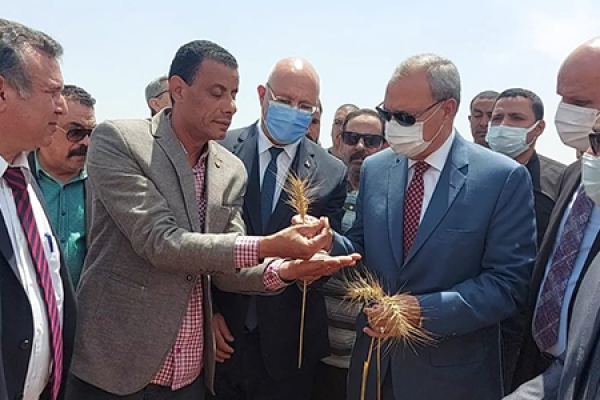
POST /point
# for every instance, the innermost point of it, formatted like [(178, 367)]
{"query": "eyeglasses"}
[(370, 141), (595, 142), (402, 117), (76, 134), (308, 108), (160, 94)]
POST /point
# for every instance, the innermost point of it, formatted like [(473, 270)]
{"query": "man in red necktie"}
[(38, 305)]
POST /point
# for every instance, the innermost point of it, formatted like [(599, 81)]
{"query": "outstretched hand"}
[(321, 264)]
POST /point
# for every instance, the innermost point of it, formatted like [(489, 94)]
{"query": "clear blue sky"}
[(113, 48)]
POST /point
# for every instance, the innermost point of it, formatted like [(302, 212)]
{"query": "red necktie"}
[(413, 202), (15, 179)]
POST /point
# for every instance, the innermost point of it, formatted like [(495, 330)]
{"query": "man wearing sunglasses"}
[(258, 336), (572, 241), (59, 170), (336, 127), (450, 225)]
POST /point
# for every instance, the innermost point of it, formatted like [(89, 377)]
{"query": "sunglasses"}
[(402, 117), (76, 134), (595, 142), (370, 141)]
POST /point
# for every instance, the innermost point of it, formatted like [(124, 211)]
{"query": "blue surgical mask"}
[(509, 140), (286, 124)]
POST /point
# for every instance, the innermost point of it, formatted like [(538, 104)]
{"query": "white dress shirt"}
[(589, 235), (39, 369), (436, 161), (284, 161)]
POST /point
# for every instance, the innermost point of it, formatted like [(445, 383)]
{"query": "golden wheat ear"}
[(365, 288), (300, 194)]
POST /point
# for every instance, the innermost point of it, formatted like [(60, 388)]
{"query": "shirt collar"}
[(264, 144), (438, 158), (20, 161)]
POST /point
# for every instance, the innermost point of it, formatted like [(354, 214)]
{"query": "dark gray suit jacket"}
[(16, 321), (575, 377), (531, 362), (279, 316)]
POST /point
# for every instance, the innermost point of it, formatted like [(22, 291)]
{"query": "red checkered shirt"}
[(184, 361)]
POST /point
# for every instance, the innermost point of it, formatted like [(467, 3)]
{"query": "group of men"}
[(189, 261)]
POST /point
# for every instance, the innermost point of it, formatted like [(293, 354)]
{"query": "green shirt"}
[(66, 206)]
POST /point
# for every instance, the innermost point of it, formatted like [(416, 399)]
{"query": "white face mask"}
[(408, 140), (509, 140), (574, 124), (590, 176)]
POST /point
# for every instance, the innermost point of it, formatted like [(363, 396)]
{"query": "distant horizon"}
[(113, 49)]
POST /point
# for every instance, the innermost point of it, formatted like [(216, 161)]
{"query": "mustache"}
[(79, 151), (359, 155)]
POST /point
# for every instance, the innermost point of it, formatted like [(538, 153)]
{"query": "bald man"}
[(258, 337), (572, 238)]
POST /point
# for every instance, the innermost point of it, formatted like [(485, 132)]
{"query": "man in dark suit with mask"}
[(573, 235), (258, 337)]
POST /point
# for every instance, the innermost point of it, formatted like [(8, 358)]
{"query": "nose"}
[(85, 140), (361, 144), (60, 105), (230, 107)]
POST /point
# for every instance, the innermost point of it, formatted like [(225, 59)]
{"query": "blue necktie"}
[(266, 209), (268, 188)]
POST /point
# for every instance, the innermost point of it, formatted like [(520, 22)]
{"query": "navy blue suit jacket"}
[(469, 268)]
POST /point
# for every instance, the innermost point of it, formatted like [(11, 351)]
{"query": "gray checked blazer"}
[(147, 250)]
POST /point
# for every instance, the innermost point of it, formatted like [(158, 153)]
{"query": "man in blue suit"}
[(450, 224)]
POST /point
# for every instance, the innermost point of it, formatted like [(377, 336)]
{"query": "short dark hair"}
[(536, 103), (485, 95), (79, 95), (189, 57), (15, 40), (361, 112)]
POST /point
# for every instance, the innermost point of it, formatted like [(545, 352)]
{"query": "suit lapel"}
[(396, 187), (215, 187), (165, 138), (246, 149), (452, 179), (303, 165), (6, 248)]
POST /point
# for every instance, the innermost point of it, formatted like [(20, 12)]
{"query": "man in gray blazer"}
[(166, 207)]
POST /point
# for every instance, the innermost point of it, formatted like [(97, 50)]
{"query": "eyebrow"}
[(74, 124)]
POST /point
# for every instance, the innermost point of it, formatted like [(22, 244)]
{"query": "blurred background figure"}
[(157, 95)]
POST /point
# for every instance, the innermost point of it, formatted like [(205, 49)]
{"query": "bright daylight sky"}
[(113, 48)]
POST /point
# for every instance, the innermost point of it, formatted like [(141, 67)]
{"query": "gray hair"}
[(15, 40), (156, 87), (442, 75)]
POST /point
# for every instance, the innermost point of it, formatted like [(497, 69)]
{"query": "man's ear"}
[(177, 88), (262, 91), (153, 103), (3, 94), (540, 128)]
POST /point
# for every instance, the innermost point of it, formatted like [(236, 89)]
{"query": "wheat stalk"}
[(300, 198)]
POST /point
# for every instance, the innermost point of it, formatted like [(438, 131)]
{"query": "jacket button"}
[(189, 278), (25, 345), (19, 396)]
